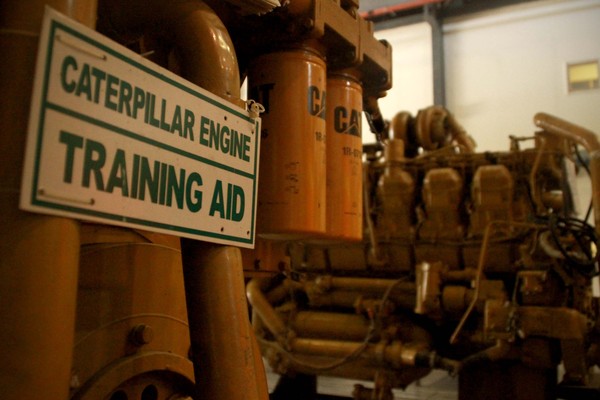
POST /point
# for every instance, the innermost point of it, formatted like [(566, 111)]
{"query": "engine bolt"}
[(141, 334)]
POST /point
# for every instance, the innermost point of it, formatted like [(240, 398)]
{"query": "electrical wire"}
[(581, 258)]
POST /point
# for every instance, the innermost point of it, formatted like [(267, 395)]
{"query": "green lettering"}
[(236, 144), (224, 139), (150, 111), (99, 76), (125, 98), (176, 121), (238, 205), (246, 148), (229, 193), (118, 174), (111, 91), (203, 129), (139, 100), (163, 125), (217, 200), (214, 135), (175, 187), (93, 161), (163, 184), (149, 180), (189, 124), (72, 141), (68, 62), (193, 206), (135, 175), (84, 85)]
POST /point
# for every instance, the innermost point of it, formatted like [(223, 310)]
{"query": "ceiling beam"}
[(459, 8), (395, 8), (412, 11)]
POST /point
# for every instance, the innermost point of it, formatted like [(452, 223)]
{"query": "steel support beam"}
[(434, 19)]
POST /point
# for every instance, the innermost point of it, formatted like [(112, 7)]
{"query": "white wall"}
[(501, 68), (412, 72)]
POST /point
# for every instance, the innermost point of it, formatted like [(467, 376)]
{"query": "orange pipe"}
[(39, 255), (224, 352), (267, 314), (198, 37)]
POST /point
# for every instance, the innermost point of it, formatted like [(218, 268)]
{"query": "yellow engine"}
[(473, 263)]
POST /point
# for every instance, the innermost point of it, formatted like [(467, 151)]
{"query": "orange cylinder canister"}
[(291, 85), (344, 156)]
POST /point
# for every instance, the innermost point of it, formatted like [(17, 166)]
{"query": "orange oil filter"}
[(344, 156), (291, 85)]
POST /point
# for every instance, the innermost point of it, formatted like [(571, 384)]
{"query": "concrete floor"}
[(436, 386)]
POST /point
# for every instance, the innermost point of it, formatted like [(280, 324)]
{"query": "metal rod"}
[(433, 18), (262, 307)]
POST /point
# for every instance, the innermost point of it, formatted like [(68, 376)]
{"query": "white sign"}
[(116, 139)]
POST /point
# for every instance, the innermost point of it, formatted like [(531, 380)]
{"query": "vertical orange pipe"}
[(226, 358), (197, 35), (38, 254)]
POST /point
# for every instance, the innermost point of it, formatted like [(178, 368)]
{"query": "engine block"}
[(469, 261)]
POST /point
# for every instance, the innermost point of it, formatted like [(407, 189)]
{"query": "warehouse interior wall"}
[(501, 67)]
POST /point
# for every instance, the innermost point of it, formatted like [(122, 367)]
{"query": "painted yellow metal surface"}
[(292, 86), (344, 157)]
